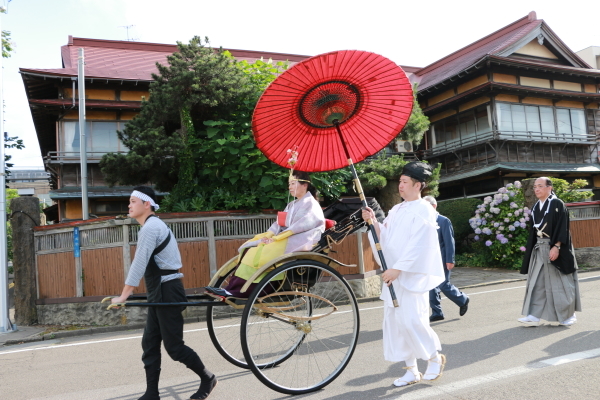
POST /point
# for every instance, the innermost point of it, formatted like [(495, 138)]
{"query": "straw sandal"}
[(402, 382), (432, 376)]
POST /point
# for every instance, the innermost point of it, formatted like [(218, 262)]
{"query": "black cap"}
[(418, 170)]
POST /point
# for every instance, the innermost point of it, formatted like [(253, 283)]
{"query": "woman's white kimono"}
[(410, 244)]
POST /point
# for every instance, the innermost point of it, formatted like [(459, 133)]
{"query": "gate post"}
[(25, 215)]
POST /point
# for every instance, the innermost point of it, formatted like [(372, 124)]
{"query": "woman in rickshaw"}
[(298, 228)]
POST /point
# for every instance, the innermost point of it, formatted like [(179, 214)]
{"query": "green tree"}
[(198, 83), (417, 124), (193, 136), (7, 45), (570, 192)]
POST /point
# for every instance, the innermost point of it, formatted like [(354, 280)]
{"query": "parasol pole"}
[(364, 203)]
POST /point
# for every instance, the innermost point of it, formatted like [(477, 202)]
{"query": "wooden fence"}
[(85, 260), (585, 224)]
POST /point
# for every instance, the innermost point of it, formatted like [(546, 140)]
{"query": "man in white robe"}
[(409, 241)]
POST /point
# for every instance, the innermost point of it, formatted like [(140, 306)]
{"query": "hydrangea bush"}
[(500, 227)]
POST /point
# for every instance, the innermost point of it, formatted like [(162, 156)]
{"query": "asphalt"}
[(461, 277)]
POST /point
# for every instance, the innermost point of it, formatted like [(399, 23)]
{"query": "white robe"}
[(410, 244)]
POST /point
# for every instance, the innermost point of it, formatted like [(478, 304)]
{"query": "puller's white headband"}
[(145, 197)]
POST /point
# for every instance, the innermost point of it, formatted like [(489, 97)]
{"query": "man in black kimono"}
[(552, 291)]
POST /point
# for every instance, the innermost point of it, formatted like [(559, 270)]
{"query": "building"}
[(591, 55), (30, 181), (118, 75), (517, 103)]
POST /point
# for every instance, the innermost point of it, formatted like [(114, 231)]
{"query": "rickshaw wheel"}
[(223, 325), (311, 323)]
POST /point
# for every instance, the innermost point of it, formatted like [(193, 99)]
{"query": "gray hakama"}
[(550, 295)]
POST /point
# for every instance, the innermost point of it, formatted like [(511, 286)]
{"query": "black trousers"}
[(165, 324)]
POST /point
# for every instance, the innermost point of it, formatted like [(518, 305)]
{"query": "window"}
[(469, 124), (101, 136), (110, 207), (531, 120)]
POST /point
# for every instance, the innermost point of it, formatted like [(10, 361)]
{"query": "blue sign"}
[(76, 250)]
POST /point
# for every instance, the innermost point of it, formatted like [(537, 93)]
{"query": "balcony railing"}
[(73, 157), (517, 136)]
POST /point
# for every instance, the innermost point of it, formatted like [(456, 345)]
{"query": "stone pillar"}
[(25, 215), (527, 186)]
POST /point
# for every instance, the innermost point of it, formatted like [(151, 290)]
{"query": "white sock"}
[(434, 365)]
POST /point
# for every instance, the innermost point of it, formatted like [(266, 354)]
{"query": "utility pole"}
[(82, 136), (5, 324)]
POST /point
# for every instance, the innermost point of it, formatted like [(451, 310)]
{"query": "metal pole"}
[(5, 324), (82, 137), (370, 226)]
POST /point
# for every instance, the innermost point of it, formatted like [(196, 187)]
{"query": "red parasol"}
[(334, 109), (369, 95)]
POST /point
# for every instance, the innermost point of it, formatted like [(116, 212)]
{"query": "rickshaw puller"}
[(158, 260)]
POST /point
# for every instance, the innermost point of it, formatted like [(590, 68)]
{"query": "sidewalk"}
[(461, 277)]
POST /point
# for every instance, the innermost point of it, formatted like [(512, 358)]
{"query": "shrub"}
[(459, 211), (500, 227)]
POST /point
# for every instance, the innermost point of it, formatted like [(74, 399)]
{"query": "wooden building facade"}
[(517, 103), (118, 75)]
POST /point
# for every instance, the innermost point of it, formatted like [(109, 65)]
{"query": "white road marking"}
[(203, 329), (444, 390)]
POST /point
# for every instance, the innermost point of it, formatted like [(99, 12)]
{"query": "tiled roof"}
[(461, 59), (497, 45), (114, 59)]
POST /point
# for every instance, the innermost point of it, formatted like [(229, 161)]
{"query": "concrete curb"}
[(87, 331)]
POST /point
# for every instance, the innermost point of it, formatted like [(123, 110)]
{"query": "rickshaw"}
[(299, 326)]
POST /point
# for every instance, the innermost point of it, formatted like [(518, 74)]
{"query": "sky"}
[(410, 33)]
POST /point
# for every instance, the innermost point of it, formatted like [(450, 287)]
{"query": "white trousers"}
[(406, 331)]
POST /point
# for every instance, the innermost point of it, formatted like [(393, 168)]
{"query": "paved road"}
[(490, 356)]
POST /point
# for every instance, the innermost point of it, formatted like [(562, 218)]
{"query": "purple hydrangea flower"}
[(518, 184), (478, 231), (499, 236), (507, 220), (488, 243), (496, 224), (523, 225), (511, 228), (522, 248), (476, 238), (504, 240)]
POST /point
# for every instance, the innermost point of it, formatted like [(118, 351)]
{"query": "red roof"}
[(115, 59), (492, 45)]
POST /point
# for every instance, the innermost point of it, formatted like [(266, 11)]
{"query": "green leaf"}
[(265, 181)]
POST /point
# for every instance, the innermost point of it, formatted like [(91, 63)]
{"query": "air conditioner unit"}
[(404, 146)]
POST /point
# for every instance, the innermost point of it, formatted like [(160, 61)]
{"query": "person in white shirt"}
[(410, 246)]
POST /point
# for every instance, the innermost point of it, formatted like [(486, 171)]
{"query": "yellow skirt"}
[(258, 256)]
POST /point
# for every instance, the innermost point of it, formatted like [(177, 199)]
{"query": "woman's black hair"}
[(149, 192), (303, 176)]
